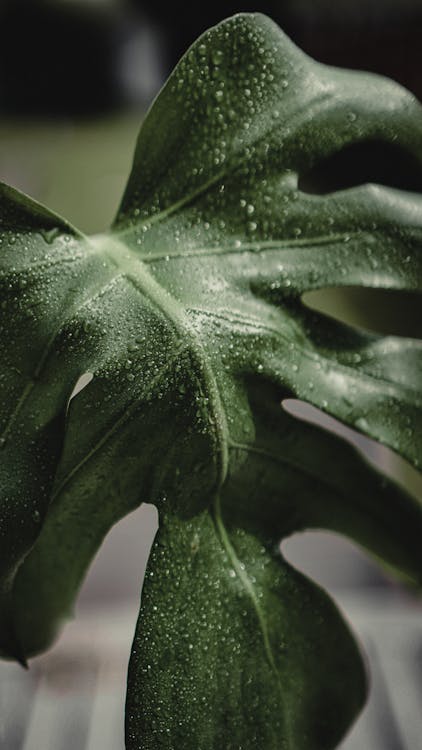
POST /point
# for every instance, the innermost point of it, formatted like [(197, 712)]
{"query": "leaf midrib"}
[(247, 583), (173, 311), (135, 270)]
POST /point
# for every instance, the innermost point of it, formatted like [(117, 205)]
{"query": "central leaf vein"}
[(244, 578)]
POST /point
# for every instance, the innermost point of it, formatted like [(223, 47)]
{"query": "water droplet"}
[(362, 424), (217, 56)]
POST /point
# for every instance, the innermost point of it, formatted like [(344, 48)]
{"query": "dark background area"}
[(67, 57)]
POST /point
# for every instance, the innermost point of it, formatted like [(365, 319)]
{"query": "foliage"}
[(189, 314)]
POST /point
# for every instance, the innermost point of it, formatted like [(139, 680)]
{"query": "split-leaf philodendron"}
[(189, 314)]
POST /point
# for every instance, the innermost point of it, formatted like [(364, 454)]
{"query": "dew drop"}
[(217, 56), (361, 424)]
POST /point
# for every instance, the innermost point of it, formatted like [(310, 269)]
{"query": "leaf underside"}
[(189, 314)]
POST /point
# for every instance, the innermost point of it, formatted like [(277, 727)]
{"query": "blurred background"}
[(76, 78)]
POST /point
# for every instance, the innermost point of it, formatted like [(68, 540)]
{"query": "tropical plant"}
[(189, 315)]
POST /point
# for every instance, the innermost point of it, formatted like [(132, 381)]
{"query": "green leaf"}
[(189, 315), (229, 643)]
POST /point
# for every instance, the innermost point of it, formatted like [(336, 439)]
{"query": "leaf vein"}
[(118, 423), (309, 110), (28, 388), (264, 246), (244, 578)]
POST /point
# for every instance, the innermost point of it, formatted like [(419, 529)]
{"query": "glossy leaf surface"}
[(189, 314)]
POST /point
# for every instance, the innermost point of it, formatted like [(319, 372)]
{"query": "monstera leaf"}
[(189, 315)]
